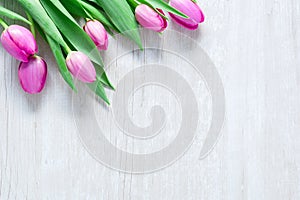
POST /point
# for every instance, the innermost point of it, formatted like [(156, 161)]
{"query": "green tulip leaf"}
[(12, 15), (97, 14), (102, 77), (75, 8), (61, 62), (40, 30), (99, 90), (38, 13), (73, 32), (61, 8), (123, 18)]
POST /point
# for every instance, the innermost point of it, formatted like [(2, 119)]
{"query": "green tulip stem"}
[(32, 29), (67, 48), (3, 23)]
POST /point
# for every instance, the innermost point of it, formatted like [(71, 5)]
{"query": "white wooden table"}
[(255, 46)]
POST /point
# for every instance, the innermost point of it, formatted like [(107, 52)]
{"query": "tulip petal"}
[(23, 38), (149, 18), (189, 24), (189, 8), (81, 67), (33, 75), (97, 33), (9, 45)]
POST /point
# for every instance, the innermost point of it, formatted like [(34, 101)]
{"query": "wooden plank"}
[(255, 46)]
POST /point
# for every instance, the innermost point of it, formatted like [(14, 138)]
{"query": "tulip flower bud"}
[(150, 19), (81, 67), (19, 42), (189, 8), (33, 74), (97, 33)]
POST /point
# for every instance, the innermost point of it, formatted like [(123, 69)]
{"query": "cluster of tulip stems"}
[(73, 56)]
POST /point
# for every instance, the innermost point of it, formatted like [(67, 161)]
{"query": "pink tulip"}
[(33, 74), (81, 67), (189, 8), (97, 33), (150, 19), (19, 42)]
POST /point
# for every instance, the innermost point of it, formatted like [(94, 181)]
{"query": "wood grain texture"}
[(256, 48)]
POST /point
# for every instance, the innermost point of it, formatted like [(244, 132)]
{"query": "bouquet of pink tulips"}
[(73, 46)]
